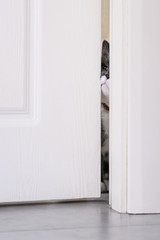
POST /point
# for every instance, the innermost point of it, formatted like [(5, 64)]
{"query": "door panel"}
[(49, 100), (13, 48)]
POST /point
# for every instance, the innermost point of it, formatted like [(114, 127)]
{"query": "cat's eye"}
[(106, 68)]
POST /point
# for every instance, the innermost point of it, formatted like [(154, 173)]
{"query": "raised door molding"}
[(18, 59)]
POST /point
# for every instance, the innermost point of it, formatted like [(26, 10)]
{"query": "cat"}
[(104, 80)]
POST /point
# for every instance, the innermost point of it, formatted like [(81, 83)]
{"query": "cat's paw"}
[(103, 187)]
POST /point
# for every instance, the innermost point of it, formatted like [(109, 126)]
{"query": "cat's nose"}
[(107, 75)]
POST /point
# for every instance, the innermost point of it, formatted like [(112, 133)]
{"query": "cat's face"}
[(105, 59), (105, 73)]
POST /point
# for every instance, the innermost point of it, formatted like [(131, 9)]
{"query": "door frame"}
[(119, 105)]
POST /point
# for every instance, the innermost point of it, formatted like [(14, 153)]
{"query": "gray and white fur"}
[(104, 114)]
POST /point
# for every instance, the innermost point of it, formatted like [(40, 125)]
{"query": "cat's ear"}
[(105, 48)]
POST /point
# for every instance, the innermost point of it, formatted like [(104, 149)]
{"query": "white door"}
[(49, 99)]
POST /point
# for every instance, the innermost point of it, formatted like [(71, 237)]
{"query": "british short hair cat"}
[(104, 114)]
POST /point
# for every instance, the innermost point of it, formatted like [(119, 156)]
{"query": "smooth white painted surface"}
[(135, 116), (52, 149), (144, 109), (118, 103)]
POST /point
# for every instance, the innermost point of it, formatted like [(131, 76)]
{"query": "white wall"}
[(105, 19), (144, 106)]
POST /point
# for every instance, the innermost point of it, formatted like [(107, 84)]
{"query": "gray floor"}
[(73, 221)]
